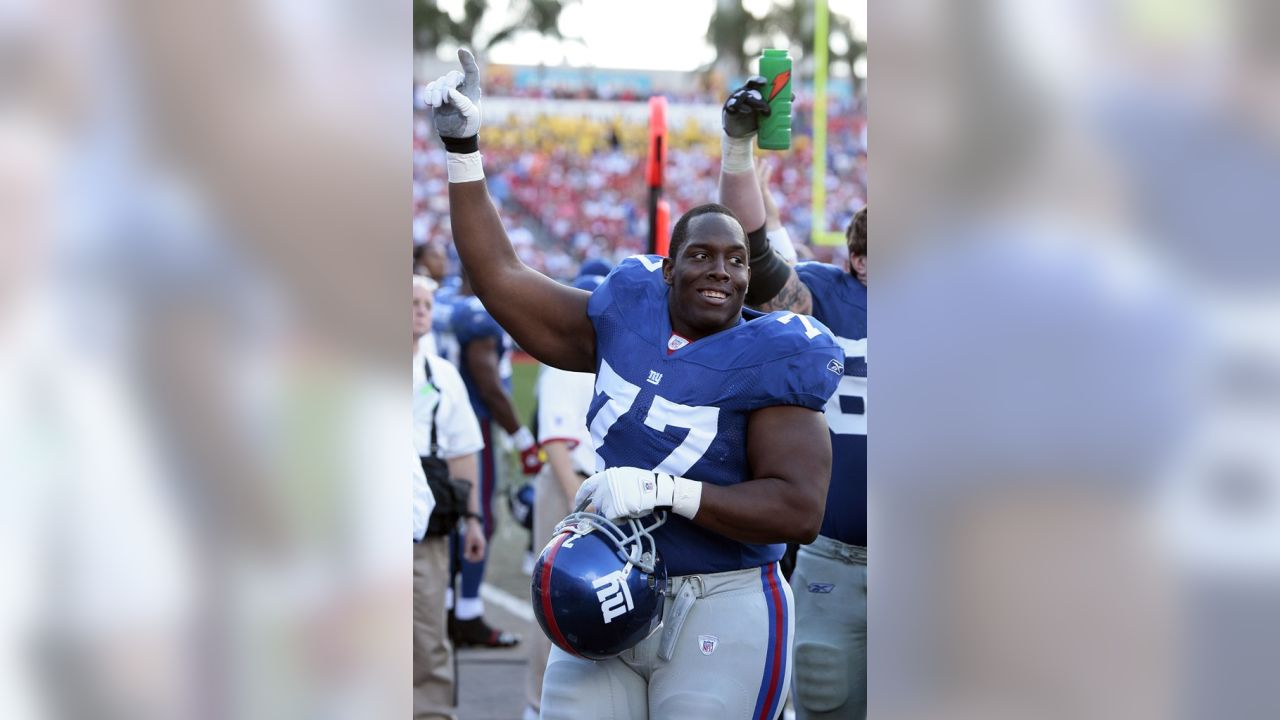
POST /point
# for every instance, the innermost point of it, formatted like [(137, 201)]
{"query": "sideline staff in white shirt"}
[(458, 437), (423, 501)]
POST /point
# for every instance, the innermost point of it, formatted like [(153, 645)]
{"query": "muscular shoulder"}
[(638, 279), (630, 303), (819, 276), (831, 282), (782, 332), (795, 359)]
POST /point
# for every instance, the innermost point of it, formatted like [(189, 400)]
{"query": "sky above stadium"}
[(654, 35)]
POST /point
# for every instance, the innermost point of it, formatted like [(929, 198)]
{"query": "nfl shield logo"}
[(707, 643)]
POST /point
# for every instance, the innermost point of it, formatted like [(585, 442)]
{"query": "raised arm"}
[(794, 295), (547, 319), (740, 192), (772, 218)]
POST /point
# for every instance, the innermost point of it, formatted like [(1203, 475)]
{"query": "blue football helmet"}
[(599, 590), (520, 502)]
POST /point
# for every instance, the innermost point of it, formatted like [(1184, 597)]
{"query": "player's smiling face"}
[(708, 277)]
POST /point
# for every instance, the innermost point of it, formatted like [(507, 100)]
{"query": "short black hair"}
[(681, 232)]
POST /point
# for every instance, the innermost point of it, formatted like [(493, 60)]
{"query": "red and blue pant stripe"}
[(778, 651)]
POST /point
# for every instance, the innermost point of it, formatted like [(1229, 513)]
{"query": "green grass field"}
[(523, 377), (510, 540)]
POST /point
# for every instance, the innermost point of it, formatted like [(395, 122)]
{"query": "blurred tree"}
[(540, 16), (431, 24), (855, 50), (795, 21), (730, 27)]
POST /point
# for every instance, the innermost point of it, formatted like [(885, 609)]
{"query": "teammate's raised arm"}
[(739, 187), (547, 319), (740, 192)]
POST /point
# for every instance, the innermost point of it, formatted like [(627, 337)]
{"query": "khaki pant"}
[(432, 653), (549, 508)]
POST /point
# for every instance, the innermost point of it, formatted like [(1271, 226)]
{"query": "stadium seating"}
[(570, 187)]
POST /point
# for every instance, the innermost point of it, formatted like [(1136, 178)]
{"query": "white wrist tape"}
[(522, 438), (465, 167), (736, 155), (780, 241), (687, 497)]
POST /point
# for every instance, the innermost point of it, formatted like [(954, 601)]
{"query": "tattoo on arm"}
[(794, 296)]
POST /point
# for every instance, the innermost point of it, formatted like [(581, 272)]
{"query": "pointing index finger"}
[(469, 67)]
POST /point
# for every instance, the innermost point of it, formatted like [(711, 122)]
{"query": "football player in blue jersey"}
[(446, 343), (701, 407), (831, 573), (485, 363)]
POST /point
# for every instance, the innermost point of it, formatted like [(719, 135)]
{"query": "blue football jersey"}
[(442, 324), (686, 412), (472, 322), (840, 302)]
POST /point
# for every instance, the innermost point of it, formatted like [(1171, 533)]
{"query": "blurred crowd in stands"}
[(589, 84), (572, 188)]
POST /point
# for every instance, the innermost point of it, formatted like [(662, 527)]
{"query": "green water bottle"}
[(775, 130)]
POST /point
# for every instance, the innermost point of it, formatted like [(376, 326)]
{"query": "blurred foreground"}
[(1075, 475), (1075, 480), (202, 366)]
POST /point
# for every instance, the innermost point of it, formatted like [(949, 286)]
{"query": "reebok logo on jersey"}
[(822, 588), (707, 643), (836, 367), (614, 595), (654, 377)]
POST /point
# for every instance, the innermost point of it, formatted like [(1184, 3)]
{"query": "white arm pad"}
[(687, 497), (780, 241), (523, 439), (465, 167), (736, 155)]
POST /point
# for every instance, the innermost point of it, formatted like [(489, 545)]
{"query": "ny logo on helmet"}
[(614, 595)]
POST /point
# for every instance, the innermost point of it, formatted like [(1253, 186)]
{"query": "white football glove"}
[(454, 99), (625, 492)]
